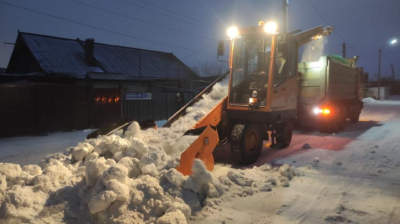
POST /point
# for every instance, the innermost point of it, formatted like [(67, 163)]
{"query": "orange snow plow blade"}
[(205, 144), (202, 149)]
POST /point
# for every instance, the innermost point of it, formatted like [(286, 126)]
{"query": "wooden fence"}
[(31, 109), (160, 107), (40, 108)]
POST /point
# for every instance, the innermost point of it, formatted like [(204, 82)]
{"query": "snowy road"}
[(351, 177)]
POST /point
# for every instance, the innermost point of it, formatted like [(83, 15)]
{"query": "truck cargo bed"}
[(328, 80)]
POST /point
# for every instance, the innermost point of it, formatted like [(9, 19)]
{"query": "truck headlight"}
[(254, 94)]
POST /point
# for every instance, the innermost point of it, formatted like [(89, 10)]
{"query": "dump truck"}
[(330, 93)]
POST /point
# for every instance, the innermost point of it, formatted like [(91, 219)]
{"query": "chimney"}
[(89, 52)]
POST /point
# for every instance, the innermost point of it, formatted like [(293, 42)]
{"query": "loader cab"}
[(251, 56), (260, 66)]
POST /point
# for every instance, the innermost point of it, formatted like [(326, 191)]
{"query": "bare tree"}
[(208, 68)]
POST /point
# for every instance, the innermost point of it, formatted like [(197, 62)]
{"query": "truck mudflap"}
[(202, 148)]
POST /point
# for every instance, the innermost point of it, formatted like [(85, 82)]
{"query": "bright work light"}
[(233, 32), (270, 27)]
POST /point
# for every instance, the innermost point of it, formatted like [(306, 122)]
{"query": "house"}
[(71, 84)]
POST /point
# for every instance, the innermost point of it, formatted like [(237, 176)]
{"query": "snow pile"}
[(125, 178), (368, 100)]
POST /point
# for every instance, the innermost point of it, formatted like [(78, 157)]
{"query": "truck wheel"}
[(355, 119), (246, 142), (284, 132), (343, 112)]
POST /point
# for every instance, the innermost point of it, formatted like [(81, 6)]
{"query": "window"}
[(292, 59), (280, 71)]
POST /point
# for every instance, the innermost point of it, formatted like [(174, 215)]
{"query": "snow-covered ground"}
[(32, 149), (351, 177)]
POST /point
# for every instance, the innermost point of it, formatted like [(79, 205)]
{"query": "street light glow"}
[(393, 41)]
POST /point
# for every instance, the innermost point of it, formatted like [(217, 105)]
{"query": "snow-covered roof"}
[(63, 56)]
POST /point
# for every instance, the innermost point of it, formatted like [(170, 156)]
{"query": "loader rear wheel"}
[(246, 142), (284, 132)]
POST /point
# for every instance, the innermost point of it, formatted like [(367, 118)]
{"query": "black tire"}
[(336, 121), (355, 119), (246, 142), (284, 133), (343, 112)]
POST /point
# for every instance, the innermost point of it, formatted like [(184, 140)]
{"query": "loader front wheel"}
[(246, 142)]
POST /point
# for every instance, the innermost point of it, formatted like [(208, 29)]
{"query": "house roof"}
[(66, 57)]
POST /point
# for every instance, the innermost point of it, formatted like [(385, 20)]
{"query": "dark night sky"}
[(190, 29)]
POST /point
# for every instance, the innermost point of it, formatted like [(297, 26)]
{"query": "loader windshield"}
[(251, 57)]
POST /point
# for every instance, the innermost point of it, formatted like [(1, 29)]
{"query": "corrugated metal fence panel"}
[(17, 110), (160, 107), (32, 109), (79, 107), (53, 108), (107, 108)]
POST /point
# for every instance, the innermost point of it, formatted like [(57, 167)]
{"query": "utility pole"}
[(394, 79), (344, 50), (285, 16), (379, 75)]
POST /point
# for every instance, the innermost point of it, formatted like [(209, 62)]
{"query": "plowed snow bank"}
[(126, 178)]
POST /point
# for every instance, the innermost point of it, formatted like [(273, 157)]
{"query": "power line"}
[(191, 54), (139, 6), (98, 28), (156, 6), (136, 19)]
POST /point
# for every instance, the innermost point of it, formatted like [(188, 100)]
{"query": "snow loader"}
[(268, 91), (262, 98)]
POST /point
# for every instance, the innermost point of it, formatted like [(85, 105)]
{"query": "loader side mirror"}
[(221, 48)]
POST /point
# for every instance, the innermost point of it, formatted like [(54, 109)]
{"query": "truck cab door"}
[(285, 77)]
